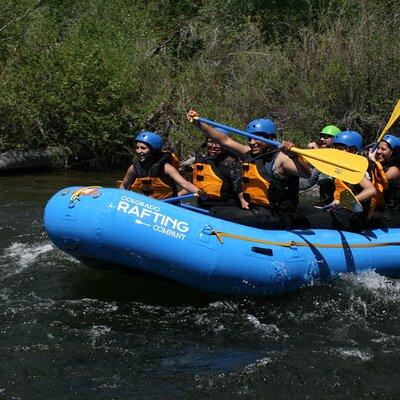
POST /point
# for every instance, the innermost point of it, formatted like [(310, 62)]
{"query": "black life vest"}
[(392, 192)]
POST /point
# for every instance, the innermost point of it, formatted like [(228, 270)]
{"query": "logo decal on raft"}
[(85, 191), (149, 215)]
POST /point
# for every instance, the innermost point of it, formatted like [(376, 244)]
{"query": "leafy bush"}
[(89, 74)]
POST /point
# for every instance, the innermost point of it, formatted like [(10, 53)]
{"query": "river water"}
[(70, 332)]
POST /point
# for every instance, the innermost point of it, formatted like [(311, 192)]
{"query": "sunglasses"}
[(325, 136), (339, 146), (213, 144)]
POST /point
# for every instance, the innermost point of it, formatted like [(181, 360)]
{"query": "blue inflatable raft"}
[(126, 228)]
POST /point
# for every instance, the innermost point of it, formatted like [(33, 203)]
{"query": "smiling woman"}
[(385, 176), (153, 173)]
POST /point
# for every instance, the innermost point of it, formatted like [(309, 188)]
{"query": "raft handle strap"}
[(262, 250)]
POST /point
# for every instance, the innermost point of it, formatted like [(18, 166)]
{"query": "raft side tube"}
[(126, 228)]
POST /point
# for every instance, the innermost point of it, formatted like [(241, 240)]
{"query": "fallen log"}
[(27, 159)]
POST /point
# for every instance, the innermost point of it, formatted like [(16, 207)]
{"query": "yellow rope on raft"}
[(292, 243)]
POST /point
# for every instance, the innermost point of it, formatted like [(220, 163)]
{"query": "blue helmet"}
[(392, 141), (349, 139), (261, 125), (150, 138)]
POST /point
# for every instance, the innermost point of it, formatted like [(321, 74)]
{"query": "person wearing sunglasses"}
[(325, 138), (324, 182), (218, 173)]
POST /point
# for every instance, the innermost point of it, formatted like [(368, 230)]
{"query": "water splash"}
[(355, 353), (20, 256), (375, 285)]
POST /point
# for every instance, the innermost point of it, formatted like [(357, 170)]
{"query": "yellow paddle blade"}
[(392, 120), (340, 164), (348, 200)]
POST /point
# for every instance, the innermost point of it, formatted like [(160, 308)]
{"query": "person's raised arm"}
[(222, 139), (292, 163)]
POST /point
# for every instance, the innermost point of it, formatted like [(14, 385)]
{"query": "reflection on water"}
[(71, 331)]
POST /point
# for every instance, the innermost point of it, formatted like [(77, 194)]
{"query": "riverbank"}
[(90, 75)]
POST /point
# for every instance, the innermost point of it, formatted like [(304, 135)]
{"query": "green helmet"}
[(331, 130)]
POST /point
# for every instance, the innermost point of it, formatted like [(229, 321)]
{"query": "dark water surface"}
[(71, 332)]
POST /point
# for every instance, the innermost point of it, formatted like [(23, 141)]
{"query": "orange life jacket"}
[(211, 174), (263, 187), (339, 187), (154, 187), (154, 182), (174, 160), (207, 180), (381, 184), (255, 186)]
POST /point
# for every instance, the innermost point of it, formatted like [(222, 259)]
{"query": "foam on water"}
[(387, 339), (97, 331), (266, 329), (355, 353), (20, 256), (224, 305), (381, 287)]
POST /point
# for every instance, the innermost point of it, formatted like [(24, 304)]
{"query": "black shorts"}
[(209, 204)]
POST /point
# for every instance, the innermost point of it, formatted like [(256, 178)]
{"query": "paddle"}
[(197, 209), (178, 198), (392, 120), (348, 201), (188, 206), (346, 166)]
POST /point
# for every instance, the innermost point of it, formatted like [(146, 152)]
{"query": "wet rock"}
[(27, 159)]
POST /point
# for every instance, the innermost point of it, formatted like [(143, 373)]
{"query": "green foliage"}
[(89, 74)]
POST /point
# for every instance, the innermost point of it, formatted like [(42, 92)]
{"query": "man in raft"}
[(325, 182), (270, 177)]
